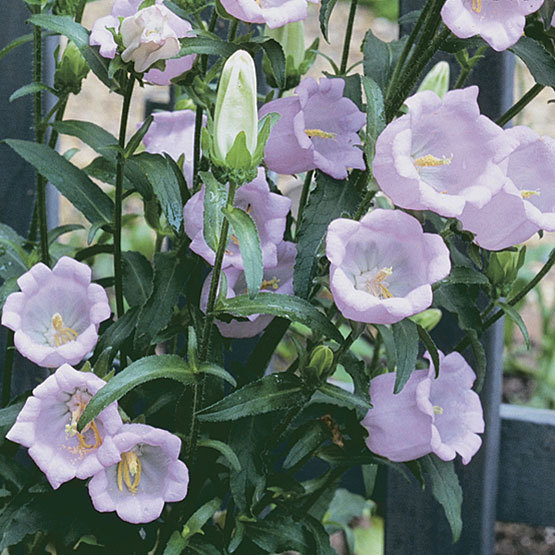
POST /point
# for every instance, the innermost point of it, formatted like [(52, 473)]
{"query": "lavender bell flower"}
[(499, 22), (56, 315), (149, 35), (47, 425), (317, 129), (173, 133), (268, 210), (277, 279), (441, 154), (146, 474), (382, 267), (274, 13), (429, 415)]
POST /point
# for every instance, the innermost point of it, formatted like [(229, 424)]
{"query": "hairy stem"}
[(304, 198), (469, 66), (348, 35), (520, 105)]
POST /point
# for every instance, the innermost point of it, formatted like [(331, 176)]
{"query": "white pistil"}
[(319, 133), (430, 161), (62, 334), (129, 471)]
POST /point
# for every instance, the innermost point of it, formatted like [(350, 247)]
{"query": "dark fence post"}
[(17, 179), (415, 523)]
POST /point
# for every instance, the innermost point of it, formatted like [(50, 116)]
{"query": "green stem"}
[(196, 152), (348, 35), (375, 354), (465, 341), (39, 135), (7, 370), (468, 67), (232, 30), (520, 105), (118, 275), (365, 204), (304, 198), (407, 48), (80, 10)]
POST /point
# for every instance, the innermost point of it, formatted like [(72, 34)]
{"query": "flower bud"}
[(428, 319), (71, 70), (437, 79), (236, 114), (148, 37), (503, 267), (291, 38), (321, 361)]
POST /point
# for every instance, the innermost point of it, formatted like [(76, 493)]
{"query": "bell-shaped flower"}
[(56, 315), (274, 13), (277, 279), (429, 415), (317, 129), (148, 35), (47, 425), (441, 154), (382, 268), (268, 210), (236, 114), (174, 133), (147, 474), (499, 22)]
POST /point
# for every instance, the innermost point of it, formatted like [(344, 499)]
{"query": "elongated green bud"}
[(503, 267), (428, 319), (291, 38), (236, 115), (321, 361), (437, 79), (70, 70)]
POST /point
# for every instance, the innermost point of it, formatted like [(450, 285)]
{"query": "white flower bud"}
[(437, 79)]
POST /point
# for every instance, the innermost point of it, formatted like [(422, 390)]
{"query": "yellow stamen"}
[(527, 194), (71, 430), (477, 5), (129, 471), (376, 287), (62, 334), (430, 161), (438, 410), (319, 133), (270, 283), (235, 240)]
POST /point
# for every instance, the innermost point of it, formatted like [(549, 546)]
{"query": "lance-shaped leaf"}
[(249, 246), (275, 392), (215, 195), (405, 335), (146, 369), (375, 116), (334, 395), (538, 60), (224, 449), (72, 182), (287, 306), (326, 7), (137, 278), (380, 58), (13, 257)]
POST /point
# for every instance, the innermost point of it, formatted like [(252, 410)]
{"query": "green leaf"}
[(239, 157), (326, 7), (215, 196), (538, 60), (218, 371), (200, 517), (380, 58), (466, 276), (286, 306), (276, 57), (327, 202), (389, 344), (309, 438), (23, 39), (458, 299), (431, 347), (276, 534), (65, 25), (7, 418), (164, 184), (211, 45), (446, 489), (144, 370), (249, 246), (275, 392), (337, 396), (136, 139), (224, 449), (31, 88), (513, 314), (60, 230), (96, 137), (320, 537), (72, 182), (405, 335), (375, 115), (480, 357), (7, 288), (169, 277), (13, 257), (118, 332), (137, 278)]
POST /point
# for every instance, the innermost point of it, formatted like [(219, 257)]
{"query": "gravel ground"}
[(97, 104)]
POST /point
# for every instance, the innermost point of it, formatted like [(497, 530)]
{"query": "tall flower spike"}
[(429, 415), (382, 268), (57, 313), (146, 474), (47, 425)]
